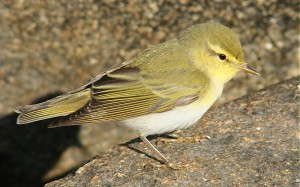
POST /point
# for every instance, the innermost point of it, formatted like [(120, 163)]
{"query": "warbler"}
[(164, 88)]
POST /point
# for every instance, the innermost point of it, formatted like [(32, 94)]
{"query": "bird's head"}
[(216, 50)]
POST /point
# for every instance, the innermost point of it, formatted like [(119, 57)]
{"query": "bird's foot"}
[(191, 139)]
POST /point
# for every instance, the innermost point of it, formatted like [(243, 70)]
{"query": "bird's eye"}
[(222, 56)]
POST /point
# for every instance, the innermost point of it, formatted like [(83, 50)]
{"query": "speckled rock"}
[(55, 46), (254, 141)]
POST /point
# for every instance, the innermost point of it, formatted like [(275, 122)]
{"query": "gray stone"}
[(254, 141)]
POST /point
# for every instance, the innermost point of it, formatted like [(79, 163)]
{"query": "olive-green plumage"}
[(173, 74)]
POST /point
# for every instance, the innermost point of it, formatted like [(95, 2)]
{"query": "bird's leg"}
[(161, 156)]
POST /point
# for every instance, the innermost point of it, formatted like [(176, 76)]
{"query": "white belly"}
[(159, 123)]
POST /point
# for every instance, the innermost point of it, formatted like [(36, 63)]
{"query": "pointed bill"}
[(248, 69)]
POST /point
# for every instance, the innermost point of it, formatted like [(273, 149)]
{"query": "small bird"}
[(164, 88)]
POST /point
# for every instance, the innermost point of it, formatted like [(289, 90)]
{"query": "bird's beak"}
[(248, 69)]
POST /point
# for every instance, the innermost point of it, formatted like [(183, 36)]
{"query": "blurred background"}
[(50, 47)]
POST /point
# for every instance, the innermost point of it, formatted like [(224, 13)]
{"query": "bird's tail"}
[(58, 106)]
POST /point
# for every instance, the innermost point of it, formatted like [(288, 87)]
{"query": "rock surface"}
[(254, 141), (50, 47)]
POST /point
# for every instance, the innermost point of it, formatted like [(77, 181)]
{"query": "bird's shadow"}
[(28, 152)]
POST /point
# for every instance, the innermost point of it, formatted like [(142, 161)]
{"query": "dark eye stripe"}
[(214, 53)]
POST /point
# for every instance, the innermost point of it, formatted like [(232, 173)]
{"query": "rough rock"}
[(254, 141)]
